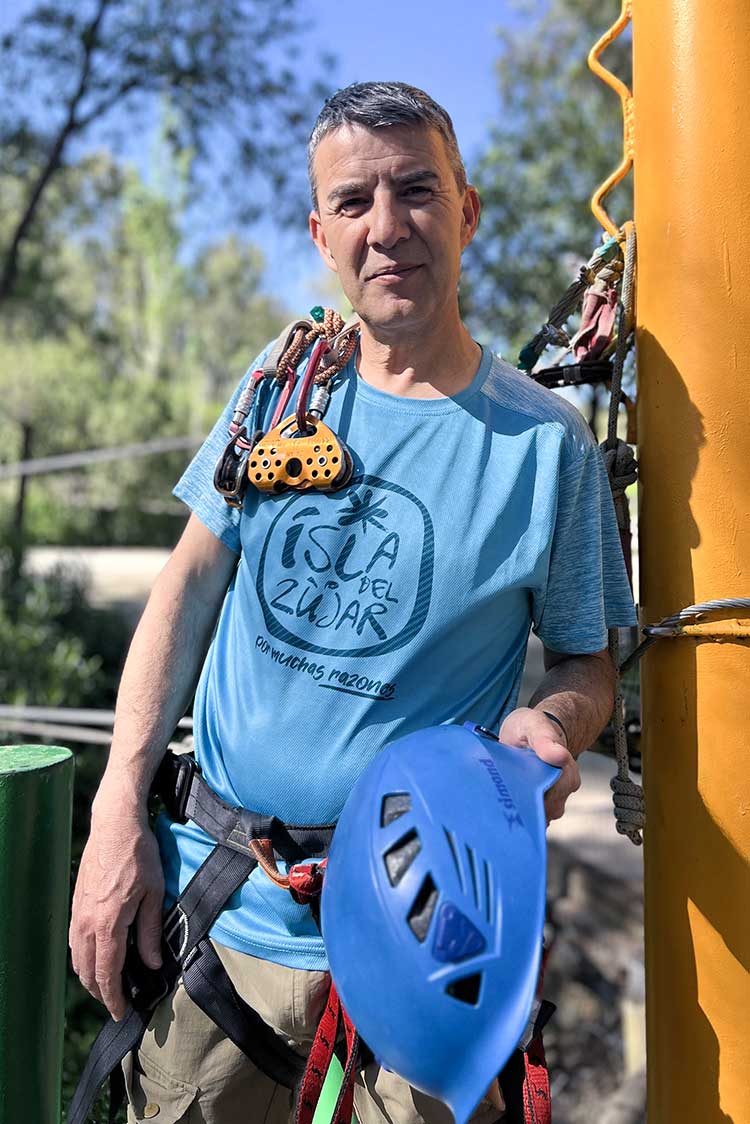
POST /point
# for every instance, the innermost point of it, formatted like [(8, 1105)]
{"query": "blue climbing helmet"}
[(433, 907)]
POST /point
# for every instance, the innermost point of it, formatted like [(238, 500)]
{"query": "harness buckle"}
[(173, 782), (145, 987)]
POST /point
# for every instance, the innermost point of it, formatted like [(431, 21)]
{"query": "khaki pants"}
[(187, 1072)]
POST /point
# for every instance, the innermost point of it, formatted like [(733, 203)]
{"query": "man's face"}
[(392, 223)]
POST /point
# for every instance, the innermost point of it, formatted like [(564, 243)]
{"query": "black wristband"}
[(556, 720)]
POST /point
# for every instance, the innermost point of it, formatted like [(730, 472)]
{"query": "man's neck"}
[(428, 364)]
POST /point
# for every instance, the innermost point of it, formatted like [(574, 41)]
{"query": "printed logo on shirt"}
[(348, 573)]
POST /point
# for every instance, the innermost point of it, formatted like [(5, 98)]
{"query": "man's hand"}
[(532, 728), (120, 881)]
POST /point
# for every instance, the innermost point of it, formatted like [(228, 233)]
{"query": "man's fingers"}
[(83, 958), (148, 929), (555, 797), (110, 957)]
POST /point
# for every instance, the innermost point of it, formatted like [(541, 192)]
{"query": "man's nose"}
[(388, 223)]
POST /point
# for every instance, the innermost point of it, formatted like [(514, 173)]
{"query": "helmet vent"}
[(395, 805), (488, 890), (423, 907), (474, 873), (401, 855), (466, 989), (454, 852)]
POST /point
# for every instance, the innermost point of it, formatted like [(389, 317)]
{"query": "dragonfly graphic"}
[(363, 510)]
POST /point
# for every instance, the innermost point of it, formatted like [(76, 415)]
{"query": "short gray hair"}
[(380, 105)]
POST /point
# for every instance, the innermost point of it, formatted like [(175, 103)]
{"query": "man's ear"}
[(318, 236), (472, 207)]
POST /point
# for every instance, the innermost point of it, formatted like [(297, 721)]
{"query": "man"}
[(478, 508)]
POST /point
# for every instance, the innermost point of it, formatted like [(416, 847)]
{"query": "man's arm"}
[(120, 879), (579, 692)]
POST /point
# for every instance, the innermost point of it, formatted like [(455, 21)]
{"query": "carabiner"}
[(230, 476)]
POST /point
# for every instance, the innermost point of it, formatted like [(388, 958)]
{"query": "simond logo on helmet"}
[(504, 797)]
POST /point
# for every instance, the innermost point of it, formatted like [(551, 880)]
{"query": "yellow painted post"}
[(692, 209)]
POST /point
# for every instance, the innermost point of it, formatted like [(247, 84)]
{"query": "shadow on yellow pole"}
[(692, 209)]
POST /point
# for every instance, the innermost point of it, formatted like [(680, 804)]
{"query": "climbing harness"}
[(245, 840), (437, 877), (297, 452)]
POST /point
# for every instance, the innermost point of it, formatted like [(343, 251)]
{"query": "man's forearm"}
[(157, 682), (160, 673), (579, 691)]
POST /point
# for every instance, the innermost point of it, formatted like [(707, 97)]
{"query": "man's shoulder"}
[(517, 393)]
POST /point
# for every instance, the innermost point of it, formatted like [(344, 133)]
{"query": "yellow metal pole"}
[(692, 208)]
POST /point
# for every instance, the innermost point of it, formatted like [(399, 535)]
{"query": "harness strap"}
[(524, 1081), (206, 982), (185, 924), (186, 796), (536, 1095), (114, 1042), (319, 1061)]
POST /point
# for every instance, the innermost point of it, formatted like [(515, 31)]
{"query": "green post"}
[(36, 799)]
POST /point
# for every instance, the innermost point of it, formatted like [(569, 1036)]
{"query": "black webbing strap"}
[(186, 795), (203, 899), (208, 985), (113, 1043), (186, 923)]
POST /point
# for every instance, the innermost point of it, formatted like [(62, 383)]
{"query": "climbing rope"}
[(552, 331), (325, 324), (622, 470)]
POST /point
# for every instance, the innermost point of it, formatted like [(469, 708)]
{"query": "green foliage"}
[(148, 341), (55, 648), (225, 67), (557, 135)]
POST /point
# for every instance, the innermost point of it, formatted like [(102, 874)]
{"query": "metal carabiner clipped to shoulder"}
[(230, 474)]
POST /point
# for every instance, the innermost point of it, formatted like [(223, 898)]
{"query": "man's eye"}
[(355, 203), (417, 190)]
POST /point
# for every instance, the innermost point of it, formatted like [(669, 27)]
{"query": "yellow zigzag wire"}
[(626, 97)]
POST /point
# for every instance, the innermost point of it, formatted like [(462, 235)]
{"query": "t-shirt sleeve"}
[(196, 488), (587, 589)]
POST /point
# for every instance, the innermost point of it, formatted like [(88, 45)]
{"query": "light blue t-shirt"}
[(404, 600)]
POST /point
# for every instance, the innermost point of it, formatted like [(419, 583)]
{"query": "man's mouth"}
[(393, 272)]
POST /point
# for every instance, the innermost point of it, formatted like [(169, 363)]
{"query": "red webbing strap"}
[(537, 1104), (319, 1062), (537, 1108), (345, 1104)]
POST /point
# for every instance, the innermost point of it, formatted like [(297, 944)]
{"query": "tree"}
[(225, 67), (152, 339), (558, 134)]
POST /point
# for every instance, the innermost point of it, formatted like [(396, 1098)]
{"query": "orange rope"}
[(331, 326)]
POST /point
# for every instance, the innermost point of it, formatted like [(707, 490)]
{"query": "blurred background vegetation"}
[(117, 326)]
